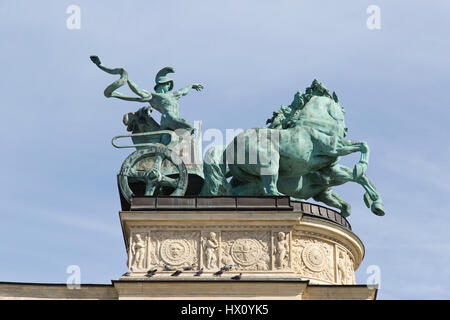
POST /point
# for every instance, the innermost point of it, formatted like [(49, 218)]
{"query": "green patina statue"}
[(161, 100), (282, 118), (287, 116), (297, 155)]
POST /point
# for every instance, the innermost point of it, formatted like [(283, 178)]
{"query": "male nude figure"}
[(162, 99)]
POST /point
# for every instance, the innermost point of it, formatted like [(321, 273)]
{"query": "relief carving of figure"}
[(350, 271), (345, 270), (341, 268), (281, 250), (138, 252), (210, 246)]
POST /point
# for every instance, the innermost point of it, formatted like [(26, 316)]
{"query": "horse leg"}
[(342, 147), (360, 167), (331, 198), (269, 176), (269, 183), (371, 198)]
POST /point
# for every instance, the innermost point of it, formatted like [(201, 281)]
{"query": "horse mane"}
[(286, 116), (318, 89)]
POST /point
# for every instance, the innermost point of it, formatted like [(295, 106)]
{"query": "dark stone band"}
[(232, 203)]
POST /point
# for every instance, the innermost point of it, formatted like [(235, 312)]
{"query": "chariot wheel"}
[(146, 165)]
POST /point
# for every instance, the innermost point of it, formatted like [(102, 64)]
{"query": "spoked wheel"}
[(154, 178)]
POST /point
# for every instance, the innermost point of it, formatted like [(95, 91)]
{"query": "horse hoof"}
[(377, 207), (344, 213), (275, 194), (272, 192)]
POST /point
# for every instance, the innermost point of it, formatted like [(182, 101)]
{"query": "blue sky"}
[(58, 192)]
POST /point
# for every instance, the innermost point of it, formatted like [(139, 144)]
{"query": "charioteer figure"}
[(162, 100)]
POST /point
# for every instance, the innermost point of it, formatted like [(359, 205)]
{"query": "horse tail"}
[(215, 171)]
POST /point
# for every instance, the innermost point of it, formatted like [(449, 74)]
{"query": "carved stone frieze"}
[(247, 250), (313, 258), (176, 249), (310, 249)]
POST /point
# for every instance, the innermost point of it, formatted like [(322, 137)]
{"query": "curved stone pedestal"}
[(270, 241), (282, 249)]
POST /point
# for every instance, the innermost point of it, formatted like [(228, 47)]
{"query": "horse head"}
[(325, 114), (140, 121)]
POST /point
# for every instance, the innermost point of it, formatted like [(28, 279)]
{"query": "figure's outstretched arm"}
[(182, 92), (98, 63), (109, 92)]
